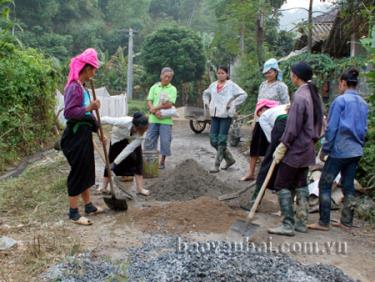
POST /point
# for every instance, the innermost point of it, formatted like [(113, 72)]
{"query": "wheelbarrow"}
[(198, 119)]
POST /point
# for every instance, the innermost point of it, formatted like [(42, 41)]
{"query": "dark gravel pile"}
[(158, 260), (85, 269), (223, 266)]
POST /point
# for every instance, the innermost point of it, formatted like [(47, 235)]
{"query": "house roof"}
[(323, 24)]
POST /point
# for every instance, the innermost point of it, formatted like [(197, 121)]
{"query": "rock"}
[(7, 243), (365, 208)]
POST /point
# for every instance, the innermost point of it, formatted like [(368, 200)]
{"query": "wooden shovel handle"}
[(261, 192), (101, 135)]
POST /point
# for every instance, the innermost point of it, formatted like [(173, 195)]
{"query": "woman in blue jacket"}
[(344, 141)]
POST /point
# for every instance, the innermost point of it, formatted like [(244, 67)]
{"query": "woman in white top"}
[(271, 89), (222, 98), (125, 151)]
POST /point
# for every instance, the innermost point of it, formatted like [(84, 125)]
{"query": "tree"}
[(178, 48), (5, 23)]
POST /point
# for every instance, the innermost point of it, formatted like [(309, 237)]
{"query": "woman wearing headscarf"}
[(76, 142), (125, 151), (272, 119), (222, 98), (296, 151), (271, 89)]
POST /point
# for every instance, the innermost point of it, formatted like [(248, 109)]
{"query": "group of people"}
[(284, 132), (287, 133), (125, 148)]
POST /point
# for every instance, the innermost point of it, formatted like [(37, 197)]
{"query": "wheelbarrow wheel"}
[(197, 126)]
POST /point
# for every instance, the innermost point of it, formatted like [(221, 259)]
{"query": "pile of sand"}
[(188, 181), (200, 215)]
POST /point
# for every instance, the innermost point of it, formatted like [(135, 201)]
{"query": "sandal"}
[(143, 192), (82, 221)]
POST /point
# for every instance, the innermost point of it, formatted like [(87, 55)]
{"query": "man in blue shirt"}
[(344, 141)]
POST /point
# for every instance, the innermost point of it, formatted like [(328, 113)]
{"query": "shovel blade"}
[(244, 228), (115, 204)]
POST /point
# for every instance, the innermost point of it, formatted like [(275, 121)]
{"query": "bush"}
[(27, 101)]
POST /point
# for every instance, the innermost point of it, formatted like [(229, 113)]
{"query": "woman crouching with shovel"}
[(125, 151), (296, 152), (76, 142)]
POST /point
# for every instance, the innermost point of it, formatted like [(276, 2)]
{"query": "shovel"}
[(113, 201), (245, 227)]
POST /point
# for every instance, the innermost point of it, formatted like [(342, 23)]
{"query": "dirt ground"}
[(201, 218), (204, 214)]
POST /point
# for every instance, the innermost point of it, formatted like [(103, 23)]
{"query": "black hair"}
[(304, 71), (351, 77), (224, 68), (87, 66), (140, 120)]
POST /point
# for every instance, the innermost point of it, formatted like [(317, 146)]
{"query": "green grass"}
[(137, 106), (34, 205), (39, 194)]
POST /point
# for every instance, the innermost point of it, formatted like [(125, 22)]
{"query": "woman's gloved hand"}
[(323, 156), (279, 153)]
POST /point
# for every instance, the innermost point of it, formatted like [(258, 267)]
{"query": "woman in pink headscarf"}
[(76, 142)]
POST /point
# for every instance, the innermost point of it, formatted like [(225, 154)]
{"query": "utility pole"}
[(310, 27), (129, 88)]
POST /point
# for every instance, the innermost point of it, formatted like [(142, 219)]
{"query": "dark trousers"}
[(219, 131), (276, 133), (347, 167)]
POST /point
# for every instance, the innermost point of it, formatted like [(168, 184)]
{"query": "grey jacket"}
[(231, 95)]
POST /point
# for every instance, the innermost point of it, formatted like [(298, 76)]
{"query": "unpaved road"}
[(113, 231), (206, 219)]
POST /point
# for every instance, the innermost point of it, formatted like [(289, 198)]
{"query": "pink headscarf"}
[(89, 56), (265, 103)]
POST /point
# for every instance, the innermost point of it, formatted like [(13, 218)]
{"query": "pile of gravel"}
[(85, 269), (160, 260), (223, 266), (188, 181)]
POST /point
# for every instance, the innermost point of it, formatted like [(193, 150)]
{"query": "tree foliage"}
[(27, 87), (178, 48)]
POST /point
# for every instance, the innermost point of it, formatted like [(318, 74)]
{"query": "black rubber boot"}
[(302, 209), (218, 160), (229, 160), (286, 207)]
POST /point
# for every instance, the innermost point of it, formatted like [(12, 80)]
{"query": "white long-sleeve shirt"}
[(218, 101), (122, 130), (268, 118)]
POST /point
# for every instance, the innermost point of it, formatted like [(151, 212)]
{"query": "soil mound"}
[(188, 181)]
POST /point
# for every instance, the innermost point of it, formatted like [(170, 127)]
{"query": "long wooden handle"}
[(261, 192), (108, 167)]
